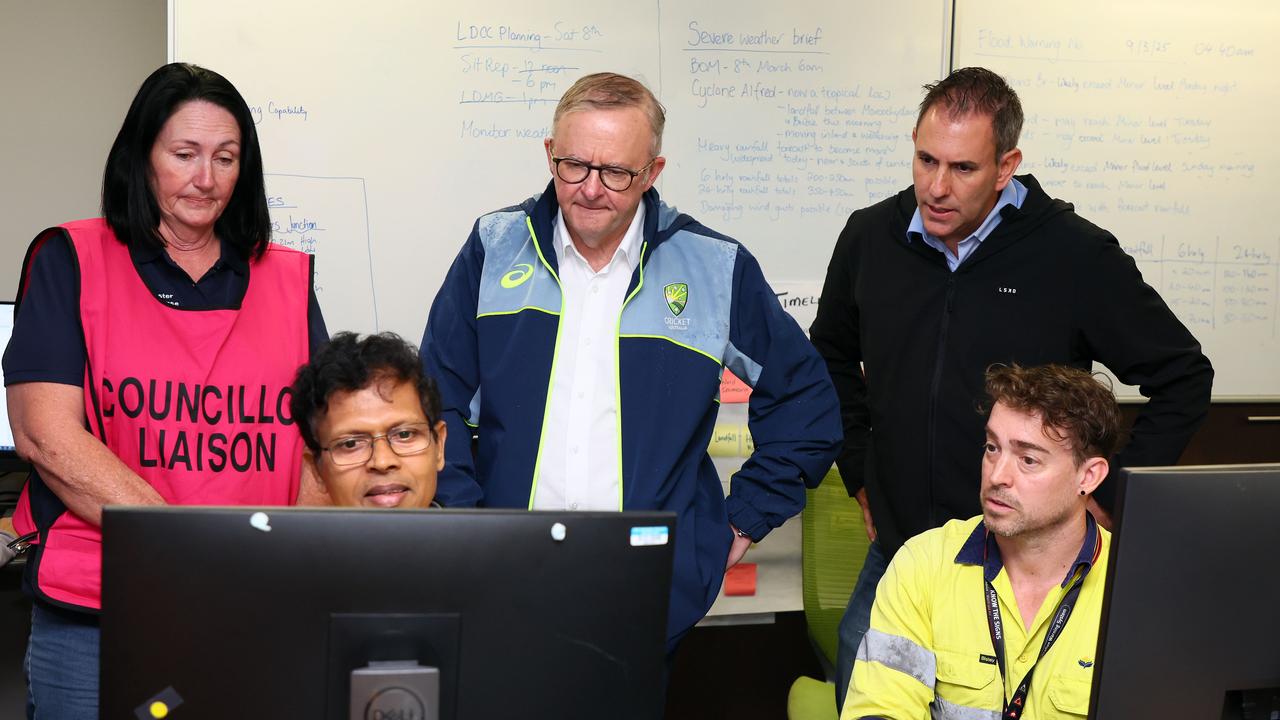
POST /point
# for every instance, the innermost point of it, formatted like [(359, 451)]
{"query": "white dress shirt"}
[(580, 463)]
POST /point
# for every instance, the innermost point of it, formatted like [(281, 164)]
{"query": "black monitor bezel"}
[(1111, 697), (240, 564)]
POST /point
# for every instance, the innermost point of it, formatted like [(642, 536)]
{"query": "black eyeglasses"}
[(404, 440), (617, 179)]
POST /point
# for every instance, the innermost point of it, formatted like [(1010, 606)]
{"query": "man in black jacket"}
[(971, 267)]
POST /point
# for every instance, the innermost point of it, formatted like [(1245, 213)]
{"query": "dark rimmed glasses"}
[(617, 179)]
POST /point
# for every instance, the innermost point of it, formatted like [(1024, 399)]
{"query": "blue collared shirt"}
[(1013, 194), (981, 549)]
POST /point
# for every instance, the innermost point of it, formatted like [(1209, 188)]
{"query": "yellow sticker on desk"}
[(159, 706)]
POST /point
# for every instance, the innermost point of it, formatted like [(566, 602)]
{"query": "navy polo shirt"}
[(48, 340), (981, 549)]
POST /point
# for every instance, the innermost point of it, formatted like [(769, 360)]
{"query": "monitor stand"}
[(393, 666), (400, 689)]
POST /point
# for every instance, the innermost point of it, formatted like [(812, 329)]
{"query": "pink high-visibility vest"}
[(196, 402)]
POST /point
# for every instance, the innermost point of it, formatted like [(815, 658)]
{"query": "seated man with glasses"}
[(371, 422), (583, 335)]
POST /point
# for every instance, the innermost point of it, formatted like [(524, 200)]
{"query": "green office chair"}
[(834, 547)]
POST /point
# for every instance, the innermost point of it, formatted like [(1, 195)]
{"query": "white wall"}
[(68, 70)]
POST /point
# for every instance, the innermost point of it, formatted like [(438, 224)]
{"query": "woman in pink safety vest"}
[(151, 360)]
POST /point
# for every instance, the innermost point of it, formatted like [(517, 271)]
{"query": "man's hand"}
[(866, 514), (737, 549), (1102, 516)]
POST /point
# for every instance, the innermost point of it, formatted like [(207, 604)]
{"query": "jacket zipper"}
[(555, 355), (948, 306), (617, 369)]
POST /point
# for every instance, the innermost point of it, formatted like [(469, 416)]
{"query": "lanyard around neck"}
[(1015, 706)]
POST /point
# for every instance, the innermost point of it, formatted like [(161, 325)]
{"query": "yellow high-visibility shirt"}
[(929, 653)]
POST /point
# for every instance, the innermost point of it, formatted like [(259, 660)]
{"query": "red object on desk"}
[(740, 579)]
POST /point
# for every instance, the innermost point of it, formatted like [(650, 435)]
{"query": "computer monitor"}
[(1191, 619), (9, 460), (265, 613), (6, 433)]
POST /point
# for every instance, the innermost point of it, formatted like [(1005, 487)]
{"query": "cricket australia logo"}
[(677, 295)]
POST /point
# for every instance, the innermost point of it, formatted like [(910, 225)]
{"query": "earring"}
[(1081, 492)]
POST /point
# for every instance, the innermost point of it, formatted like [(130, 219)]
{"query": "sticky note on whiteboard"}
[(726, 441), (649, 535), (733, 390), (730, 440)]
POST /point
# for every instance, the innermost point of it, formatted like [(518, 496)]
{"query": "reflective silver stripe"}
[(899, 653), (943, 710)]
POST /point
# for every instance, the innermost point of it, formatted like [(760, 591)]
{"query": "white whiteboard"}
[(388, 127), (1156, 119)]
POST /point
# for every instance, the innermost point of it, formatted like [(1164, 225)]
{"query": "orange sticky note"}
[(740, 580), (733, 390)]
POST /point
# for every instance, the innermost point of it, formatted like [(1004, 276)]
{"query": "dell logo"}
[(398, 714), (1007, 290)]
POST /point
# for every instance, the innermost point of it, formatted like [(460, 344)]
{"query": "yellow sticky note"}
[(726, 441)]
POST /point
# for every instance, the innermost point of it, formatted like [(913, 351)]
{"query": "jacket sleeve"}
[(835, 334), (794, 418), (1129, 329), (895, 670), (450, 355)]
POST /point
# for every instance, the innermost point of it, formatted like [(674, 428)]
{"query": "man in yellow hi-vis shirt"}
[(996, 617)]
